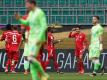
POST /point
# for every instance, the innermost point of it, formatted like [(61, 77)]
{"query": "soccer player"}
[(81, 44), (14, 40), (38, 25), (51, 49), (25, 37), (96, 45), (4, 38)]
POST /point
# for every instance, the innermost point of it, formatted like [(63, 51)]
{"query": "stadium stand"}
[(66, 12)]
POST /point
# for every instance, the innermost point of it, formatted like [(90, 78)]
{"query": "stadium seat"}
[(82, 2), (63, 11), (20, 3), (8, 2), (58, 19), (22, 12), (1, 12), (72, 2), (105, 2), (11, 12), (3, 19), (81, 19)]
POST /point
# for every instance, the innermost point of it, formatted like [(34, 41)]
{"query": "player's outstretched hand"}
[(73, 29), (17, 16)]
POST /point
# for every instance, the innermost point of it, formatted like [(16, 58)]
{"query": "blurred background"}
[(66, 13)]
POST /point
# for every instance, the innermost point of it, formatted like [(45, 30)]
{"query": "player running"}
[(51, 49), (81, 44), (4, 38), (38, 25), (25, 37), (96, 45)]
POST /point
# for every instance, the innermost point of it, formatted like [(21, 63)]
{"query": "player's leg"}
[(37, 66), (9, 60), (14, 61), (55, 60), (49, 57), (81, 61), (78, 62), (81, 64), (39, 58), (34, 71), (78, 65), (94, 57), (34, 50), (26, 65), (26, 62), (97, 64)]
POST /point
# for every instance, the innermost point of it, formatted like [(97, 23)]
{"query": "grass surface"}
[(53, 76)]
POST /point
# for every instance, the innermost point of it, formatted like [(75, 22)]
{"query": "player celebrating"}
[(51, 49), (25, 37), (81, 43), (96, 45), (4, 38), (15, 41), (38, 25)]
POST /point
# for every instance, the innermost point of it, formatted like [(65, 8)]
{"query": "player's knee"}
[(30, 59)]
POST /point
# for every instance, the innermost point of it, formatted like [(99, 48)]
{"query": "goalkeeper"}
[(38, 25), (96, 45)]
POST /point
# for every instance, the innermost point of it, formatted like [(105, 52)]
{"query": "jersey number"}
[(14, 39)]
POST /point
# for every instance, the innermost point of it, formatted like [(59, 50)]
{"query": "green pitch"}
[(53, 76)]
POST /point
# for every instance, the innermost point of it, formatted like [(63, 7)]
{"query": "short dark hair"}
[(97, 17), (78, 26), (49, 29), (15, 27), (31, 1), (8, 27)]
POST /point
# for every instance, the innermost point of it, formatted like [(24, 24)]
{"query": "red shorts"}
[(13, 55), (79, 52)]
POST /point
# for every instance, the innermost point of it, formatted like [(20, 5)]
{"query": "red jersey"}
[(80, 40), (4, 37), (50, 40), (14, 40)]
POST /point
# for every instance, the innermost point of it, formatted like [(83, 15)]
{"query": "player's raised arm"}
[(72, 33), (22, 21)]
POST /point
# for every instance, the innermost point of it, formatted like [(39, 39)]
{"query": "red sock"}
[(13, 65), (81, 65), (43, 65), (56, 66), (46, 64), (8, 63), (78, 66)]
